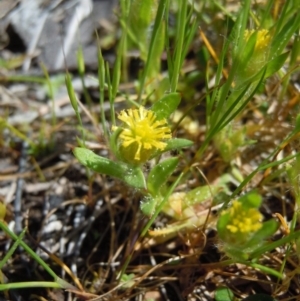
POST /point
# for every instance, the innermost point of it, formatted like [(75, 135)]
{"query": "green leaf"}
[(142, 12), (275, 64), (127, 280), (177, 143), (98, 163), (222, 224), (201, 194), (148, 205), (283, 37), (71, 93), (140, 18), (132, 176), (151, 48), (159, 41), (297, 124), (259, 297), (251, 200), (257, 241), (247, 50), (223, 294), (269, 228), (174, 144), (164, 107), (160, 174)]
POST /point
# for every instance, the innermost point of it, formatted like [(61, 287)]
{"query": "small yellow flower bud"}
[(262, 39), (257, 58), (243, 220)]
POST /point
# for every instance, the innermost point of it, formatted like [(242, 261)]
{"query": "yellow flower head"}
[(142, 134), (243, 220), (262, 39)]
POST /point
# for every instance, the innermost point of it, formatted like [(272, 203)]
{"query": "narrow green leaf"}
[(275, 244), (160, 174), (80, 60), (246, 51), (174, 144), (30, 284), (191, 27), (10, 252), (180, 32), (158, 21), (284, 36), (71, 93), (155, 66), (51, 93), (239, 27), (264, 269), (297, 123), (164, 107), (38, 259), (220, 96), (101, 78), (275, 64), (113, 142), (178, 143)]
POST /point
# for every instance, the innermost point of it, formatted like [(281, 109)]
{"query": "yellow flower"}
[(142, 134), (243, 220), (262, 39)]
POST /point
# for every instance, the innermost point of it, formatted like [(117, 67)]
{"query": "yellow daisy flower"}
[(142, 134)]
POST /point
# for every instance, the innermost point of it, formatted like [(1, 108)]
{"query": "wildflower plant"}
[(142, 135), (241, 227)]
